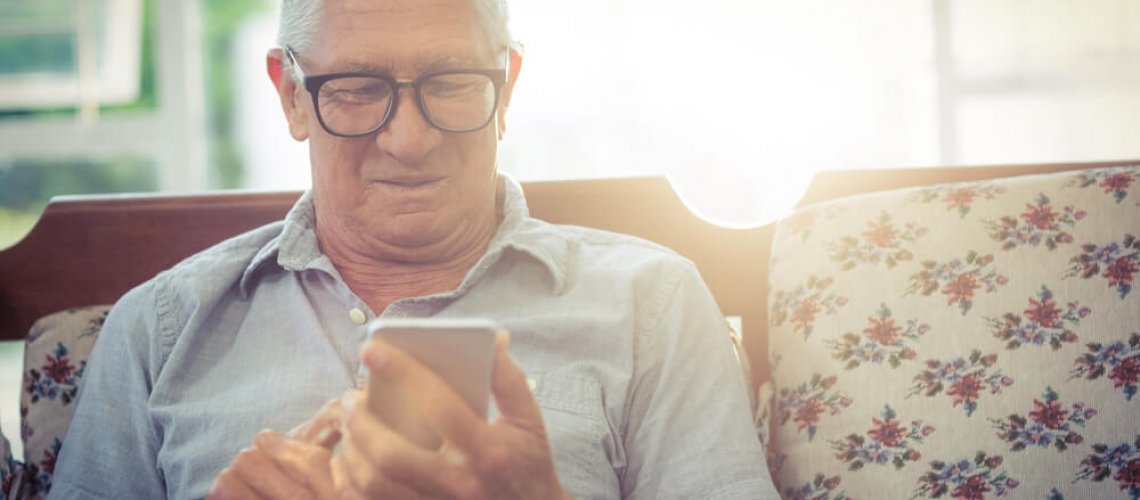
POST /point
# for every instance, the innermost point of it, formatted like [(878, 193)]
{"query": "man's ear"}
[(515, 65), (289, 92)]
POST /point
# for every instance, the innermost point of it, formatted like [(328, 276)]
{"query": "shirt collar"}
[(296, 247)]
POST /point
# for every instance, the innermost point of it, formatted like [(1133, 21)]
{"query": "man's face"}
[(410, 190)]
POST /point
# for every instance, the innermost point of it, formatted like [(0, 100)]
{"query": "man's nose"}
[(408, 136)]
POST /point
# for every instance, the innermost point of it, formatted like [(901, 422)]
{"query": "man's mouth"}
[(409, 183)]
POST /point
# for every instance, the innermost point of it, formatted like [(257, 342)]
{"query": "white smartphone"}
[(461, 351)]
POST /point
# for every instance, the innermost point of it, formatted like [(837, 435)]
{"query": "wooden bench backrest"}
[(90, 250)]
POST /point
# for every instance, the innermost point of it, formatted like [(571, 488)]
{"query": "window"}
[(158, 105), (56, 53)]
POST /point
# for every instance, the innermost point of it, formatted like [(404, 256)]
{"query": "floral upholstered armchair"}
[(967, 340)]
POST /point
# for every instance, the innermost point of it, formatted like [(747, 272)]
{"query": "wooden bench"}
[(89, 250)]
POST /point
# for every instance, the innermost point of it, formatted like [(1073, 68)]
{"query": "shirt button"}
[(532, 384), (357, 316)]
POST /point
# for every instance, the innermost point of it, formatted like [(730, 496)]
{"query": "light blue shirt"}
[(634, 371)]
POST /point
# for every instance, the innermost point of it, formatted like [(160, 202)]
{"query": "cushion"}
[(55, 353), (968, 340)]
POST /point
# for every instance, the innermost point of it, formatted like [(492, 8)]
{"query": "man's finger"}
[(512, 393), (307, 464), (443, 408), (389, 458), (229, 486), (323, 429), (259, 471)]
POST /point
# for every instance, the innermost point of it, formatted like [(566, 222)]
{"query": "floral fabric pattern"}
[(880, 242), (1115, 181), (1043, 323), (1039, 223), (996, 354), (1049, 423), (882, 340), (1120, 462), (1120, 261), (56, 378), (957, 279), (967, 479), (888, 442), (55, 355), (802, 305), (1119, 360), (964, 379), (819, 488), (806, 403), (959, 197)]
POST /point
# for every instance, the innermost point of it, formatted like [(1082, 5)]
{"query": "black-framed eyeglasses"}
[(359, 104)]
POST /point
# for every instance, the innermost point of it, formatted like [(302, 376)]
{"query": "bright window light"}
[(739, 103), (58, 53)]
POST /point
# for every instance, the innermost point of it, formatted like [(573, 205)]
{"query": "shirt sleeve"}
[(689, 430), (112, 443)]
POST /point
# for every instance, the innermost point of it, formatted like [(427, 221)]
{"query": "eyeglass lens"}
[(453, 102)]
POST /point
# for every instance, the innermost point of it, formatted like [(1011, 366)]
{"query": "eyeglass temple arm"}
[(293, 66)]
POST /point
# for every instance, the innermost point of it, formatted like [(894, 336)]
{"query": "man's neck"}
[(379, 283), (379, 279)]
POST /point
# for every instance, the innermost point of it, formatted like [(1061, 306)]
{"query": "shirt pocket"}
[(576, 428)]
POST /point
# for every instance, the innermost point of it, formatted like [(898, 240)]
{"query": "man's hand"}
[(507, 459), (285, 466)]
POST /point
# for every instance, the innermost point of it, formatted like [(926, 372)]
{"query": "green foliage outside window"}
[(220, 22), (26, 186)]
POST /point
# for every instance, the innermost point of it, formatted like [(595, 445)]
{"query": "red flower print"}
[(58, 369), (1117, 182), (887, 432), (1050, 414), (1120, 271), (1044, 313), (882, 331), (960, 197), (975, 488), (1126, 373), (831, 483), (1129, 475), (48, 463), (882, 234), (966, 390), (961, 289), (804, 315), (1041, 216), (808, 414)]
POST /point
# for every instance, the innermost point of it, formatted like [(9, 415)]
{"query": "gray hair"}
[(300, 21)]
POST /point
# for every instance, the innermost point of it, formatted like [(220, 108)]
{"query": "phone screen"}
[(460, 351)]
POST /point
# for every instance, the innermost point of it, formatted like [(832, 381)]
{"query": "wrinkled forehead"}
[(403, 33)]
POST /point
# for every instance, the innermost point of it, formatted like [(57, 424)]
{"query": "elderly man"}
[(626, 386)]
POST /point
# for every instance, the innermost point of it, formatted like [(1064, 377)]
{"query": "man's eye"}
[(358, 92), (456, 86)]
